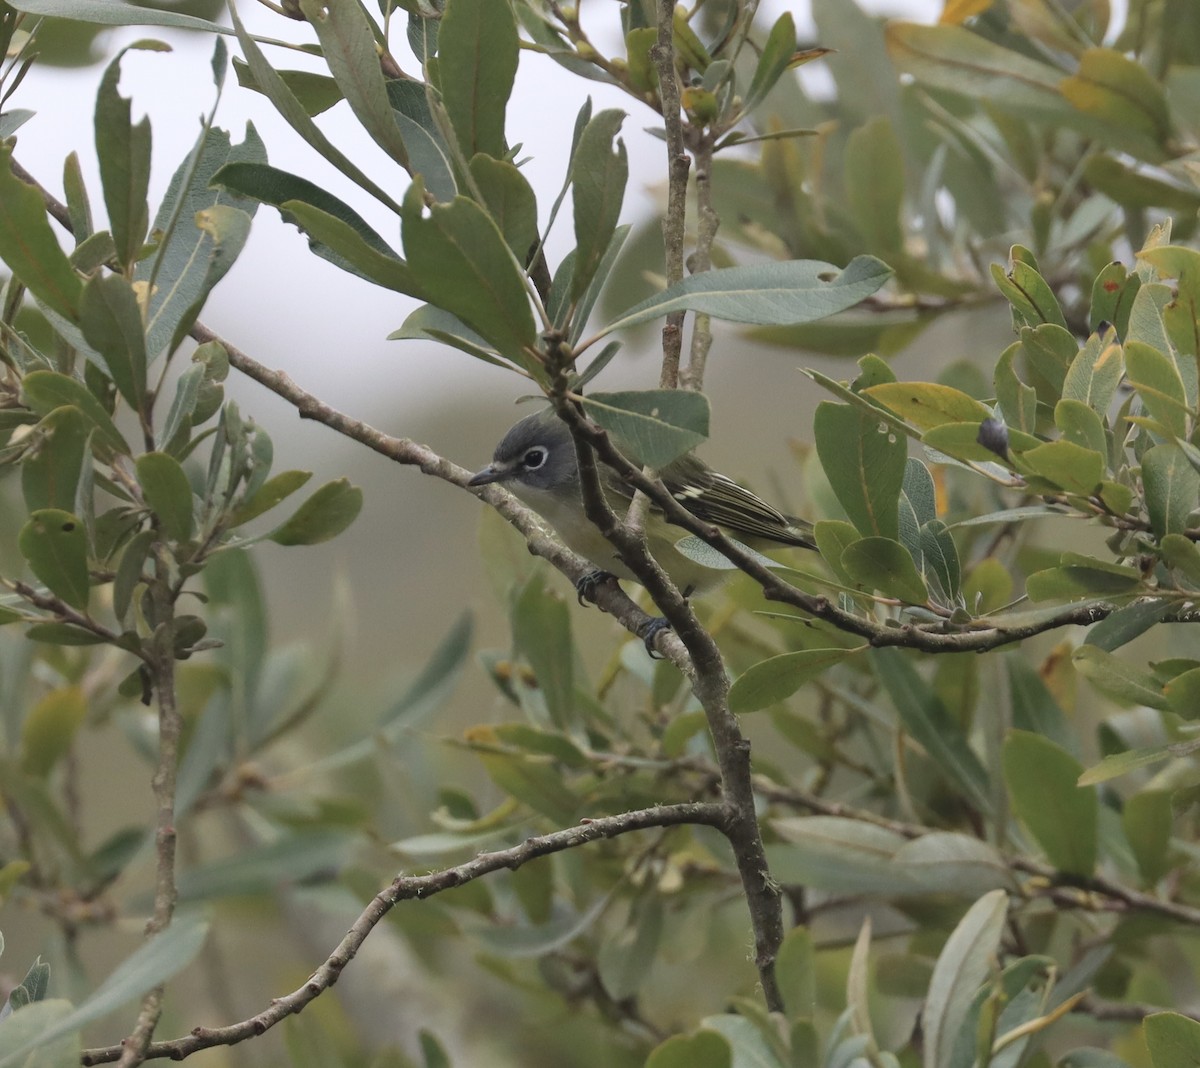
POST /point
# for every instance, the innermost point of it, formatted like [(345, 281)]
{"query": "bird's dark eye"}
[(535, 457)]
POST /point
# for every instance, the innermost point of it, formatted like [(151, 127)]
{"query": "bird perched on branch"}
[(536, 461)]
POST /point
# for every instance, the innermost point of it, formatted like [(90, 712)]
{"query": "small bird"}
[(536, 461)]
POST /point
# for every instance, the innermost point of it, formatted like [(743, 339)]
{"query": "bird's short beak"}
[(491, 473)]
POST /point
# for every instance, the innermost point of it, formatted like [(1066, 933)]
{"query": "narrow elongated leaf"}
[(348, 46), (929, 722), (776, 55), (797, 291), (875, 184), (123, 148), (272, 492), (841, 855), (55, 545), (465, 267), (477, 63), (541, 626), (1146, 821), (112, 324), (1132, 759), (106, 13), (657, 425), (966, 961), (342, 243), (1118, 678), (1043, 788), (598, 175), (1096, 371), (196, 250), (28, 246), (778, 677), (297, 117)]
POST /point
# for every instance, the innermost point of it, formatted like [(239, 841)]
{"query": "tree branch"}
[(416, 888)]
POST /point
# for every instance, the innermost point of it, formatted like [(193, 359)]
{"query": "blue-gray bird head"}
[(536, 454)]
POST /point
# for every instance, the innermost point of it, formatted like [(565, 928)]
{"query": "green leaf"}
[(1183, 694), (477, 63), (352, 251), (296, 857), (1127, 623), (26, 1037), (430, 322), (541, 629), (314, 92), (1159, 384), (272, 492), (50, 728), (1181, 554), (838, 854), (1114, 288), (466, 268), (796, 291), (1066, 465), (44, 391), (510, 201), (1117, 678), (62, 634), (1081, 425), (1173, 1040), (657, 425), (703, 1049), (778, 677), (833, 536), (1049, 350), (795, 970), (1172, 488), (168, 492), (931, 725), (776, 55), (428, 154), (885, 565), (129, 571), (964, 964), (533, 783), (925, 405), (123, 149), (1121, 92), (28, 246), (1096, 371), (874, 176), (106, 13), (153, 963), (1083, 579), (297, 117), (348, 46), (865, 463), (204, 230), (1132, 759), (598, 176), (55, 545), (51, 469), (112, 324), (1146, 820), (1043, 789), (324, 515), (1031, 297)]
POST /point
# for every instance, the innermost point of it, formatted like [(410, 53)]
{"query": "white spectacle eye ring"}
[(535, 457)]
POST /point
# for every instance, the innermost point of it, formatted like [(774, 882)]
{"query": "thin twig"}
[(417, 888)]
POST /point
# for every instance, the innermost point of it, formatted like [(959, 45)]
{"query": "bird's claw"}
[(649, 631), (586, 586)]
